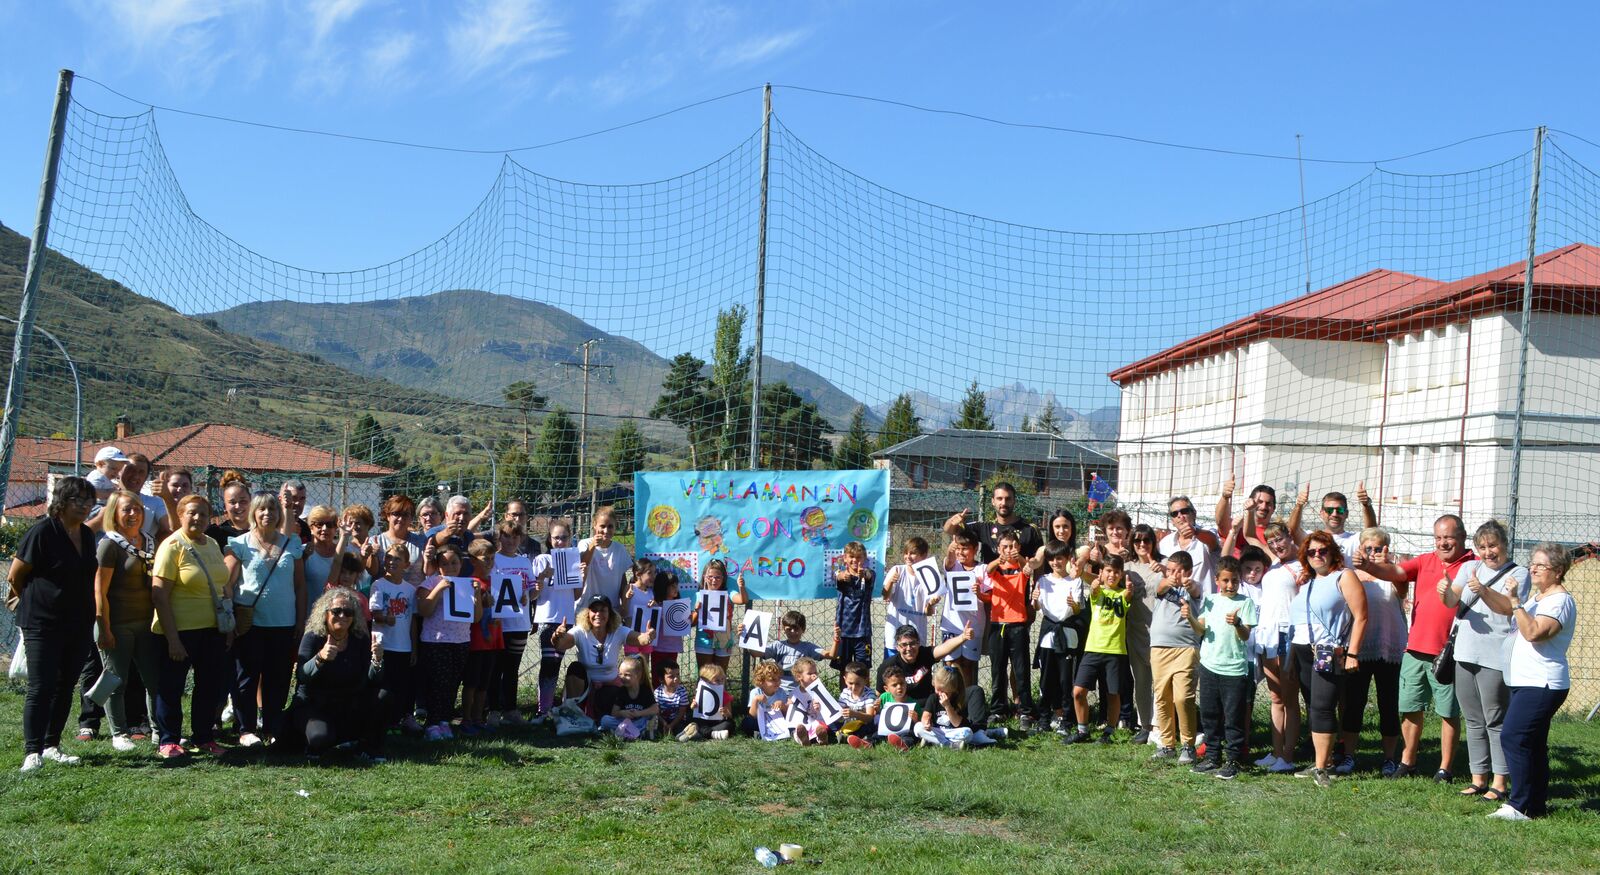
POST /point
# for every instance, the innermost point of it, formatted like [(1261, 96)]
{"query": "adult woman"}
[(1380, 657), (1064, 528), (604, 560), (1141, 575), (397, 511), (266, 573), (600, 636), (1329, 614), (1537, 674), (191, 588), (235, 509), (1483, 639), (1118, 527), (338, 667), (52, 583), (1271, 639), (323, 522), (124, 607), (430, 513)]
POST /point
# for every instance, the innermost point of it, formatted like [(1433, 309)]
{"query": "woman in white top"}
[(1270, 639), (1483, 641), (600, 636), (604, 561), (1537, 674), (1380, 657)]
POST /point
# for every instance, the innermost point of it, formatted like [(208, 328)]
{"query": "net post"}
[(761, 282), (1527, 317), (30, 281)]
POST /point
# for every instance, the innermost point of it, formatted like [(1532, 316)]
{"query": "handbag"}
[(1444, 665), (244, 616), (222, 609)]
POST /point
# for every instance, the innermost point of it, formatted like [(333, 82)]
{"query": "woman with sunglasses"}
[(322, 553), (338, 666), (1141, 573), (1380, 657), (1271, 640), (1329, 617), (52, 591)]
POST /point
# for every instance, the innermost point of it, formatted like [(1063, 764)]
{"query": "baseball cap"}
[(596, 601), (109, 454)]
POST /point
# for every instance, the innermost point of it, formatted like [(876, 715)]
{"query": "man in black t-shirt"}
[(1006, 520)]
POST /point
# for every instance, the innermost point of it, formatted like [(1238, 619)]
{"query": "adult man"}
[(1335, 513), (1004, 501), (1257, 515), (516, 513), (1430, 628), (1200, 544), (455, 529), (292, 494)]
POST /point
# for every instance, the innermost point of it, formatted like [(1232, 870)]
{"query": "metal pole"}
[(344, 474), (583, 428), (761, 282), (1527, 318), (30, 280), (77, 392)]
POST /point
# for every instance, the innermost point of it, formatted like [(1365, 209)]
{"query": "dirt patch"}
[(994, 829), (777, 809)]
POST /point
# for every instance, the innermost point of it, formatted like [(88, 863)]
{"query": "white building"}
[(1406, 383)]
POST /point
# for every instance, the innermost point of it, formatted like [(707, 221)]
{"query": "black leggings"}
[(507, 671), (396, 687), (442, 666), (1353, 708), (55, 656), (1055, 679), (1326, 689), (265, 657), (480, 668), (324, 724)]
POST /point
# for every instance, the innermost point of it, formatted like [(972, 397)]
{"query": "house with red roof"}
[(1406, 383)]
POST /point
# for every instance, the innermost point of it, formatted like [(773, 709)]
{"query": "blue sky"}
[(1359, 80)]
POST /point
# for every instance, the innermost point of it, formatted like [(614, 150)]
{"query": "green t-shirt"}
[(1222, 651), (1108, 621)]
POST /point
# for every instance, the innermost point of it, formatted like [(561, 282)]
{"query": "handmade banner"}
[(756, 632), (777, 528), (507, 584), (456, 600)]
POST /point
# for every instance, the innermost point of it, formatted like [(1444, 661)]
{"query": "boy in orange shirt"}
[(1006, 590)]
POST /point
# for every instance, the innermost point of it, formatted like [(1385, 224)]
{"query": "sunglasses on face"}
[(341, 612), (1182, 511), (1339, 510), (1319, 551)]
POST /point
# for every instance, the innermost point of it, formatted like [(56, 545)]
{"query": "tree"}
[(555, 454), (519, 477), (370, 442), (792, 430), (685, 402), (730, 387), (900, 424), (975, 410), (855, 451), (1027, 425), (525, 397), (627, 451), (1048, 422)]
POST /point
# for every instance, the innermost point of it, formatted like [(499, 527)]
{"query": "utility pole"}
[(583, 419)]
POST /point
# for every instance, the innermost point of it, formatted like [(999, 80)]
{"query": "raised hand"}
[(1305, 492), (1361, 493)]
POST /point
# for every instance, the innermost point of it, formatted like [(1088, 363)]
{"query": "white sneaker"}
[(227, 714), (1506, 812), (31, 763), (249, 739), (1267, 761), (719, 735), (55, 755), (122, 743)]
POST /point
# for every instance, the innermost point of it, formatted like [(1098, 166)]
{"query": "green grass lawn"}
[(531, 803)]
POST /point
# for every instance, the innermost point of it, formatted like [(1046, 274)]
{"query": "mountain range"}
[(1009, 405)]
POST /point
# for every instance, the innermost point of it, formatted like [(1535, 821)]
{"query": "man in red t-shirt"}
[(1430, 628)]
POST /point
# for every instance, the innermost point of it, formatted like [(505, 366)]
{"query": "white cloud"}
[(760, 48), (192, 39), (504, 34), (389, 57), (329, 14)]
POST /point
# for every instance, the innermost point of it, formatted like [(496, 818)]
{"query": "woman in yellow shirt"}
[(190, 579)]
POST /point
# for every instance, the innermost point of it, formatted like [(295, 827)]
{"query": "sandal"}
[(1490, 794), (1473, 789)]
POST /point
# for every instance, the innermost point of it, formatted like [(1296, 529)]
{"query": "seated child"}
[(768, 705), (672, 698), (860, 703), (805, 711), (893, 678), (945, 722), (718, 726), (633, 706), (792, 648)]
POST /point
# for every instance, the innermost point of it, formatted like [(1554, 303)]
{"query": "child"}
[(852, 617), (1174, 659), (599, 637), (664, 653), (514, 631), (894, 690), (1107, 648), (638, 592), (108, 465), (944, 720), (575, 714), (719, 726), (805, 714), (443, 648), (672, 701), (633, 706), (768, 704), (393, 608), (791, 649), (1005, 590), (485, 641), (907, 602), (715, 647), (555, 608), (1059, 595), (1224, 623), (860, 703), (348, 573), (964, 557)]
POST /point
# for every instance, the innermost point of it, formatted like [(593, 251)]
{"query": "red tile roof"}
[(1381, 304), (30, 457), (28, 510), (210, 444)]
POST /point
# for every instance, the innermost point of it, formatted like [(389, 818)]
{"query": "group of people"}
[(376, 630)]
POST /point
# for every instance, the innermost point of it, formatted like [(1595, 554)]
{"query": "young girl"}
[(719, 725), (638, 593), (945, 722), (393, 608), (553, 610), (672, 700), (664, 653), (605, 562), (769, 704), (860, 703), (715, 647), (443, 651), (514, 631), (484, 643), (633, 707), (599, 636), (805, 714)]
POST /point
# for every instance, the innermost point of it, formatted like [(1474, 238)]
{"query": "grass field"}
[(531, 803)]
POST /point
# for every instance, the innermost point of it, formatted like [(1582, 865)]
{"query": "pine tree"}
[(685, 402), (1048, 422), (975, 411), (555, 454), (627, 452), (855, 451), (1027, 425), (900, 424), (792, 430), (524, 396), (369, 441)]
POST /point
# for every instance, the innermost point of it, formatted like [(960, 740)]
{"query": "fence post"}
[(30, 280), (1527, 318), (761, 284)]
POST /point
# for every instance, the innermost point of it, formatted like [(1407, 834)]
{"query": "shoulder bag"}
[(244, 616)]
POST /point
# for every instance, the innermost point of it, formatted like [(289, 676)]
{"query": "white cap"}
[(109, 454)]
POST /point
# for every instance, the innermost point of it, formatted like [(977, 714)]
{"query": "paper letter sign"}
[(510, 576), (757, 625), (675, 618), (707, 700), (456, 600), (896, 718), (962, 601), (930, 575), (643, 617), (827, 705), (714, 610), (565, 562)]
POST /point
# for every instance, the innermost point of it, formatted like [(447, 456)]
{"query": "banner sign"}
[(781, 529)]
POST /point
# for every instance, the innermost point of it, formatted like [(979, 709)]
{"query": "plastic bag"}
[(19, 663)]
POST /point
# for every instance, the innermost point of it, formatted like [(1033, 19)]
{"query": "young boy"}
[(1059, 595), (768, 703), (673, 700), (964, 557), (907, 602), (860, 703), (108, 464), (852, 619), (1107, 648), (792, 648), (1174, 658), (895, 690), (1224, 623), (1006, 590)]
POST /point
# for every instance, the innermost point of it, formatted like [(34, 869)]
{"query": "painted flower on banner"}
[(863, 524), (664, 521)]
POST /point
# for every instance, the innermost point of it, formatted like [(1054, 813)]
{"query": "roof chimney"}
[(124, 427)]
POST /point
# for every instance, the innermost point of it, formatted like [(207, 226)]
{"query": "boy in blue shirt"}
[(1223, 624), (852, 624)]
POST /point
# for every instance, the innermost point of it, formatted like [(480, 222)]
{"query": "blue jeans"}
[(1525, 740)]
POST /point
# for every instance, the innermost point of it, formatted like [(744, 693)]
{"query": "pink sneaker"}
[(171, 751), (858, 742)]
